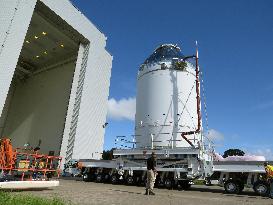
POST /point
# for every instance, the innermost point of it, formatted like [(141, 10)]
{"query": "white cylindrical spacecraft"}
[(168, 103)]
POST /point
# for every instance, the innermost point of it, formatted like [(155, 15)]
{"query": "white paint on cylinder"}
[(166, 105)]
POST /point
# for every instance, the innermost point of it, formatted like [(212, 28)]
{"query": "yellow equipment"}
[(269, 171)]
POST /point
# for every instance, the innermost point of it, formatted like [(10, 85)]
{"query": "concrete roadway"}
[(84, 193)]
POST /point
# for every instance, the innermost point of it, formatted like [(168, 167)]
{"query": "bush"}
[(233, 152), (7, 198)]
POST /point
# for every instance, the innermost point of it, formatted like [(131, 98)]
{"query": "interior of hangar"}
[(36, 105)]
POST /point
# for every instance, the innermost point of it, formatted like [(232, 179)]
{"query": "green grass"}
[(9, 198), (199, 182)]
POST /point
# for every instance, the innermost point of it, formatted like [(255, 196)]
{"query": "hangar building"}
[(54, 78)]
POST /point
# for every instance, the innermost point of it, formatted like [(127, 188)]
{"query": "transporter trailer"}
[(176, 170), (168, 122), (175, 167), (234, 176)]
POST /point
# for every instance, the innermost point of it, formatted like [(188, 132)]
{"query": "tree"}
[(233, 152), (108, 154)]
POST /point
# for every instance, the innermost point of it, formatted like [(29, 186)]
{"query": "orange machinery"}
[(23, 162)]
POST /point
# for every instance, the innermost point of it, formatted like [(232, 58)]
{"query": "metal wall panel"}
[(93, 108), (68, 121), (15, 18), (5, 111)]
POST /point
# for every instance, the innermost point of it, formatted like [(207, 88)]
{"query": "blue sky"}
[(236, 56)]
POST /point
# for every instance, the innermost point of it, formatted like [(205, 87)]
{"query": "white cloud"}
[(123, 109), (215, 135), (267, 153)]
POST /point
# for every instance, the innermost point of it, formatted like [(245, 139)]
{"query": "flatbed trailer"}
[(175, 167), (234, 176)]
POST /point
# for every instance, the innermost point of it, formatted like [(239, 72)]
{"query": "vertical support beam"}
[(197, 86), (72, 102)]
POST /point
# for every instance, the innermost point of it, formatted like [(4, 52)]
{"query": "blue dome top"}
[(164, 52)]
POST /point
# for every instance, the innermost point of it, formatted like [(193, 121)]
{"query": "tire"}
[(49, 175), (160, 183), (86, 177), (168, 183), (114, 179), (261, 188), (232, 187), (99, 178), (241, 187), (137, 180), (185, 185), (107, 178), (130, 180), (207, 183), (143, 182)]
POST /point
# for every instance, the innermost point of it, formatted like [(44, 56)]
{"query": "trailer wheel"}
[(86, 177), (138, 180), (130, 180), (241, 187), (106, 178), (143, 182), (114, 179), (261, 188), (207, 182), (184, 185), (99, 178), (168, 183), (49, 175), (232, 187), (160, 183)]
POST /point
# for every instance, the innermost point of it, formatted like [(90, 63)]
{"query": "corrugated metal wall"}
[(93, 110), (77, 104), (71, 105), (89, 136), (15, 17)]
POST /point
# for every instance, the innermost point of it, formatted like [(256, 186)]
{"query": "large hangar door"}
[(36, 106)]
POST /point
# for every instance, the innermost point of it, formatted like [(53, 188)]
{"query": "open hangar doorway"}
[(36, 106)]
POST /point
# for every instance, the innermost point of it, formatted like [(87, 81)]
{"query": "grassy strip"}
[(7, 198), (199, 182)]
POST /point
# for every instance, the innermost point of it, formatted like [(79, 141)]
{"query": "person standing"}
[(269, 175), (151, 174)]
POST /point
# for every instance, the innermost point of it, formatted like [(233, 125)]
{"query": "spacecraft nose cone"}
[(164, 52)]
